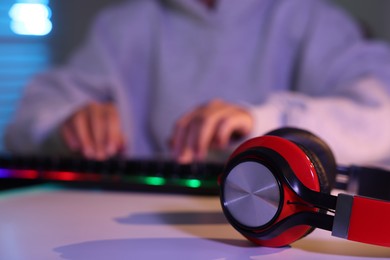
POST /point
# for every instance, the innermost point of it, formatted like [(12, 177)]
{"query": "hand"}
[(94, 131), (208, 126)]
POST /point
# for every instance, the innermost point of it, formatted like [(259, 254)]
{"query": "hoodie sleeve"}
[(342, 90), (357, 128)]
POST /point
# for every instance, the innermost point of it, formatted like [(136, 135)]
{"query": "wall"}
[(373, 13)]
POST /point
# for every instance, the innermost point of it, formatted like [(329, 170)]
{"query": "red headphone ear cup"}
[(281, 157), (320, 152), (321, 175), (320, 170)]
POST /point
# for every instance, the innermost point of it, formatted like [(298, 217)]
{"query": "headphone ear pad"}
[(314, 147)]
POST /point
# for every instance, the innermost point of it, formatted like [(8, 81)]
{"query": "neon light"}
[(30, 19), (44, 2), (76, 176), (23, 174), (70, 176), (4, 173), (60, 175), (193, 183), (156, 181), (48, 175)]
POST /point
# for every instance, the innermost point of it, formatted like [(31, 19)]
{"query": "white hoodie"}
[(300, 63)]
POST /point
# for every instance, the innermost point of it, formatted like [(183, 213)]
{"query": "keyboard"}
[(118, 174), (162, 175)]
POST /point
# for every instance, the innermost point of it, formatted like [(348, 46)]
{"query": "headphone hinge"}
[(342, 216)]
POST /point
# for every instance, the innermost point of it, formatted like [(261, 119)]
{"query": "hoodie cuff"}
[(266, 117)]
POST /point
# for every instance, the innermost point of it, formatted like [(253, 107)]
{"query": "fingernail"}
[(111, 150), (100, 155), (88, 153), (185, 156)]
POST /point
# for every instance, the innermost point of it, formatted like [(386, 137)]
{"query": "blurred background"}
[(37, 34)]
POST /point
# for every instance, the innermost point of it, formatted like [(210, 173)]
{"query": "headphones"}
[(275, 189)]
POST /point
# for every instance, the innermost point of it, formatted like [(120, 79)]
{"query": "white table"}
[(50, 222)]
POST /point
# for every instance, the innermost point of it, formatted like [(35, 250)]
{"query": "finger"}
[(236, 122), (186, 156), (83, 135), (97, 123), (69, 137), (214, 115), (115, 139), (178, 138), (200, 133), (194, 131), (223, 135)]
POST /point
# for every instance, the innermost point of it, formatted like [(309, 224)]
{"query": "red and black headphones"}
[(275, 189)]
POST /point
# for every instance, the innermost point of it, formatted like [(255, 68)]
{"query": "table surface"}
[(50, 222)]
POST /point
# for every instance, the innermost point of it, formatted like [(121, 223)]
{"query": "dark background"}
[(71, 20)]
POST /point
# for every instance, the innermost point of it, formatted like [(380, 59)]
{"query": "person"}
[(189, 79)]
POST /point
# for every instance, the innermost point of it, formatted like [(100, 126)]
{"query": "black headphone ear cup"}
[(314, 146)]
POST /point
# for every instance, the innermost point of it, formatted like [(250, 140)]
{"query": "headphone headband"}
[(362, 219), (365, 181)]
